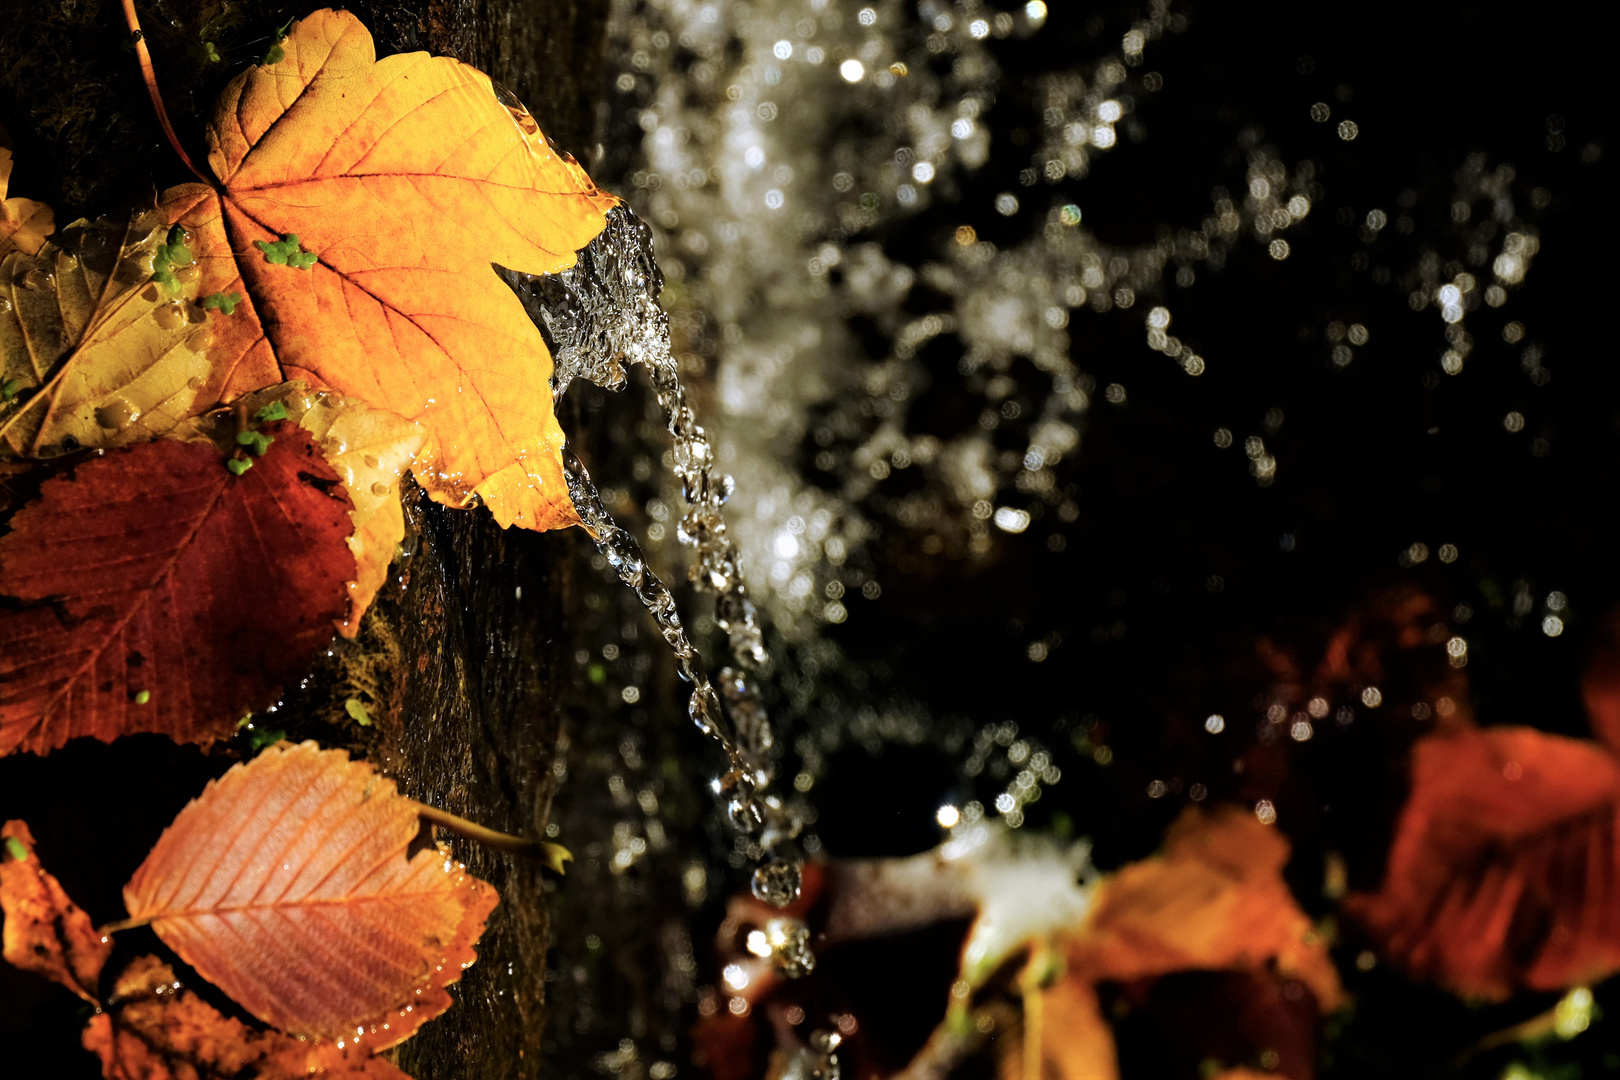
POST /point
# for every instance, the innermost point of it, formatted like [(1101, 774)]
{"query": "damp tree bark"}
[(463, 651)]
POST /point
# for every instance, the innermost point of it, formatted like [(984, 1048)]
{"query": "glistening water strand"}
[(599, 316)]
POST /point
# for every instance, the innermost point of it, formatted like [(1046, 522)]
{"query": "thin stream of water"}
[(599, 317)]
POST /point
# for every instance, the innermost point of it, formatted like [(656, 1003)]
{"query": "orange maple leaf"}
[(154, 1029), (286, 884), (45, 932), (399, 185)]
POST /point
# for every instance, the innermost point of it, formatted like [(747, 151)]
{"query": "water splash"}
[(599, 317)]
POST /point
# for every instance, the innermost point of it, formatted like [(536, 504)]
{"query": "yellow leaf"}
[(116, 357)]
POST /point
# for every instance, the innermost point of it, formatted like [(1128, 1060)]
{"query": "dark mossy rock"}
[(458, 661)]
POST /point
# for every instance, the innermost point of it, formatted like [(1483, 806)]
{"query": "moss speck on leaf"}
[(224, 303), (169, 257), (256, 441), (286, 252)]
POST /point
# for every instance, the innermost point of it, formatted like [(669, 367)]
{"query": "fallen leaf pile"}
[(287, 884), (342, 276), (214, 400)]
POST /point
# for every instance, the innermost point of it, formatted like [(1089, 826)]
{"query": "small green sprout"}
[(256, 441), (286, 252), (224, 303), (238, 466), (211, 52), (174, 253), (142, 697), (259, 738), (276, 410), (275, 52), (16, 849), (357, 710), (9, 388)]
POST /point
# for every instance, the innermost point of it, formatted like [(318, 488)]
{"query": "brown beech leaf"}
[(362, 208), (286, 884), (24, 223), (1503, 871), (100, 354), (1214, 899), (153, 590), (45, 932), (154, 1029)]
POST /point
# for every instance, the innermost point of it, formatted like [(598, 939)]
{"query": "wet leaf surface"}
[(153, 590), (153, 1028), (363, 206), (286, 883)]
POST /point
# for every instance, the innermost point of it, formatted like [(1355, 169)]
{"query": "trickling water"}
[(598, 317)]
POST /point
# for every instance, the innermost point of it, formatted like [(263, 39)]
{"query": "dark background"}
[(1372, 458)]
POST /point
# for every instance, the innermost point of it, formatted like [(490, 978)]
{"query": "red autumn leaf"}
[(286, 884), (1503, 871), (45, 933), (153, 1029), (153, 590)]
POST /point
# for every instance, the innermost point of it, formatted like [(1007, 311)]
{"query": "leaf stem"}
[(148, 75), (554, 855)]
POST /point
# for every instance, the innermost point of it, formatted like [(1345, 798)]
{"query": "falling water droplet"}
[(778, 883), (600, 317)]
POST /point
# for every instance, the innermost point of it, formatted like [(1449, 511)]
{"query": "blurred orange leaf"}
[(286, 884), (153, 590), (363, 208), (1214, 899), (1503, 871), (153, 1029), (45, 932)]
